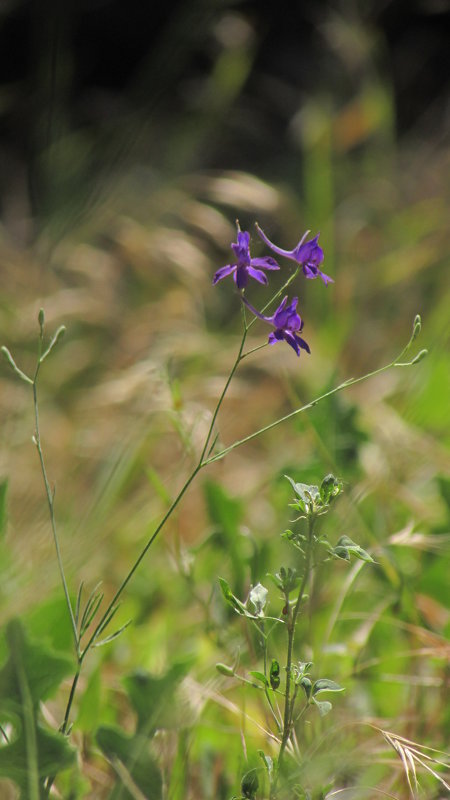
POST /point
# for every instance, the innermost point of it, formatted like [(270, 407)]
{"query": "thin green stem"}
[(73, 688), (141, 556), (291, 622), (239, 357), (266, 688), (254, 350), (278, 294), (346, 384), (50, 502), (65, 724)]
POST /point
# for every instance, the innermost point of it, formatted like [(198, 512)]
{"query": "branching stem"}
[(292, 616)]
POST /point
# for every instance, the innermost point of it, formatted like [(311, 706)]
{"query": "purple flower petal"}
[(266, 262), (258, 275), (291, 339), (301, 343), (241, 277), (310, 271), (275, 336), (287, 253), (223, 272), (310, 252), (257, 313), (326, 278), (286, 316), (243, 240)]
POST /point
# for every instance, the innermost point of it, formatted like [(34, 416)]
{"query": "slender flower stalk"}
[(48, 491)]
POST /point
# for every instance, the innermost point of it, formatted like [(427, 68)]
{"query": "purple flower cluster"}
[(286, 321)]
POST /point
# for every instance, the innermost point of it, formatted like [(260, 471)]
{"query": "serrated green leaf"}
[(30, 675), (152, 695), (133, 754)]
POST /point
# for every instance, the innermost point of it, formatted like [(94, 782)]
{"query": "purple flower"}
[(287, 323), (244, 267), (308, 254)]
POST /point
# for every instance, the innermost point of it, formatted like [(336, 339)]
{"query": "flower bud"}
[(417, 326), (224, 670), (419, 357)]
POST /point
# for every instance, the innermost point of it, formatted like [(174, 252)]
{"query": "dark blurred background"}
[(201, 83)]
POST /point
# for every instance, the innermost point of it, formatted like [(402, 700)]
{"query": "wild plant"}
[(33, 755), (289, 685)]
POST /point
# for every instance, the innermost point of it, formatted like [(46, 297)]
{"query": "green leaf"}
[(324, 707), (330, 488), (131, 758), (306, 685), (353, 549), (3, 509), (258, 598), (89, 704), (341, 552), (259, 676), (233, 600), (48, 621), (152, 696), (308, 495), (325, 685), (226, 514), (30, 675), (250, 784), (268, 763), (277, 580)]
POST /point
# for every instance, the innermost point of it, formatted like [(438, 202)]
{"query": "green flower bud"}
[(224, 670), (274, 675)]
